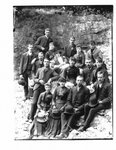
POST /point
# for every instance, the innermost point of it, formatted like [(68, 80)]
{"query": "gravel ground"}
[(101, 127)]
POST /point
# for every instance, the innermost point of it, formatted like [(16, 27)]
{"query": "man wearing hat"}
[(101, 101), (70, 73), (26, 68), (42, 42), (78, 97), (70, 50)]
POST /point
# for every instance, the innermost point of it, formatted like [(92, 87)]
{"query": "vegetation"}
[(86, 23)]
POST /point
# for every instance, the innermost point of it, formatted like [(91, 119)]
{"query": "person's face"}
[(40, 56), (100, 78), (98, 64), (79, 81), (92, 46), (46, 63), (47, 88), (30, 47), (78, 49), (47, 33), (72, 63), (71, 41), (51, 47), (88, 63), (62, 84), (52, 64)]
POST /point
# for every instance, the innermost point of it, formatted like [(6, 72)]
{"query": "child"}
[(39, 123)]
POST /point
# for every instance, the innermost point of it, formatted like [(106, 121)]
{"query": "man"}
[(93, 53), (70, 50), (51, 53), (78, 97), (102, 101), (80, 57), (88, 71), (26, 68), (37, 63), (43, 76), (70, 73), (42, 42), (100, 67)]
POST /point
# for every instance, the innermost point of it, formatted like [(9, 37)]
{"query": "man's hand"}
[(49, 81), (42, 48), (100, 102), (41, 81), (76, 109), (33, 61), (21, 76)]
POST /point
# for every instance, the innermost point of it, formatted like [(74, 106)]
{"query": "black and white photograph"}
[(63, 72)]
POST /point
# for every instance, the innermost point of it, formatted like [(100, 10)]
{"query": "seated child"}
[(41, 117)]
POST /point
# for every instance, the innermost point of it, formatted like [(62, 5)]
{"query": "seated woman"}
[(59, 101), (41, 117)]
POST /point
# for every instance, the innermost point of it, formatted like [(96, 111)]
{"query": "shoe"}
[(24, 99), (61, 136), (30, 121), (82, 128), (51, 137)]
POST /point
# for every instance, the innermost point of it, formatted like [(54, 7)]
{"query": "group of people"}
[(64, 85)]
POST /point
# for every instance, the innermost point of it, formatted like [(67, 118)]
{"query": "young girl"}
[(41, 117)]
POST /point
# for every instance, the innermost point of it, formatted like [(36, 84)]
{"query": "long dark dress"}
[(59, 98)]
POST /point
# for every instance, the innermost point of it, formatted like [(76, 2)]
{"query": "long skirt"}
[(54, 124)]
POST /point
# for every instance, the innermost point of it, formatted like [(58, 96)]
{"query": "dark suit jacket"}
[(45, 76), (70, 50), (43, 41), (24, 62), (88, 74), (94, 74), (78, 98), (104, 94)]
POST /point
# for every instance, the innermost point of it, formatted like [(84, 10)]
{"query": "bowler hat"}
[(93, 100), (72, 59), (61, 79), (42, 116), (21, 81), (69, 109), (56, 113)]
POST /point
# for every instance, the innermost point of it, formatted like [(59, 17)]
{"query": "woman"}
[(59, 101)]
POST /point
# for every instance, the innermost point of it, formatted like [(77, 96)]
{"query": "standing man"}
[(70, 50), (42, 42), (102, 101), (26, 67)]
